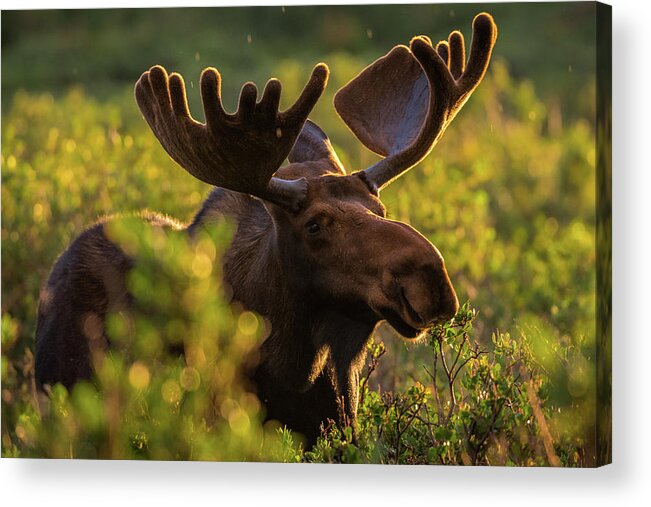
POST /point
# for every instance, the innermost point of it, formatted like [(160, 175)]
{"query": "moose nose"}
[(428, 296), (415, 280)]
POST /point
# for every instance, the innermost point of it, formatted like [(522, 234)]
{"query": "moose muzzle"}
[(416, 288)]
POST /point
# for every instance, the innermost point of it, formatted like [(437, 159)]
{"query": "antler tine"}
[(484, 34), (450, 85), (457, 62), (239, 151)]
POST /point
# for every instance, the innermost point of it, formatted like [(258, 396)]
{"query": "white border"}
[(626, 482)]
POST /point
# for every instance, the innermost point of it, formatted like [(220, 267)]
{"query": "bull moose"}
[(313, 251)]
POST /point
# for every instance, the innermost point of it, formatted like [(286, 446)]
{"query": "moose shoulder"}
[(313, 251)]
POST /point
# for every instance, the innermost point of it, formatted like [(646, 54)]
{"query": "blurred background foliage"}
[(508, 196)]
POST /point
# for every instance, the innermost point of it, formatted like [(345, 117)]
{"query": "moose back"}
[(313, 251)]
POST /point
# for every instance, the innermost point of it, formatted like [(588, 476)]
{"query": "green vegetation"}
[(508, 197), (480, 407)]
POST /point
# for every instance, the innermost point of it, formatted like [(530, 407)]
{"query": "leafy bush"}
[(146, 401), (481, 407), (511, 208)]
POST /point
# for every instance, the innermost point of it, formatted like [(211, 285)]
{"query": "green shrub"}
[(146, 401), (480, 407), (507, 196)]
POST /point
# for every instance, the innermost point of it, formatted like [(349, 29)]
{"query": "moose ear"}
[(385, 105), (313, 144)]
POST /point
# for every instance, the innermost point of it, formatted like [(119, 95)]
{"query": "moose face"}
[(345, 251)]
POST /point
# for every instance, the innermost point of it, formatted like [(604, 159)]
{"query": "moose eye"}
[(313, 228)]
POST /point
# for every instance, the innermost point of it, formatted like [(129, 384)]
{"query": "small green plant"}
[(481, 406)]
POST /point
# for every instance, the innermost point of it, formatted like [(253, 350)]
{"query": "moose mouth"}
[(406, 321), (399, 324)]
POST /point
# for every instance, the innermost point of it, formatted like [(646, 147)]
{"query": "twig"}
[(369, 370)]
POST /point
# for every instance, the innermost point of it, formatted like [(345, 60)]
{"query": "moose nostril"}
[(413, 313)]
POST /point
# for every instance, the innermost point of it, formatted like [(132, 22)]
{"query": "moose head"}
[(330, 227)]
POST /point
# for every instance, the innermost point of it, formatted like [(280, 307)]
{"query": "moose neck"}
[(306, 334)]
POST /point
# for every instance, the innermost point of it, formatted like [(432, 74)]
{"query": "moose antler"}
[(401, 104), (239, 151)]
